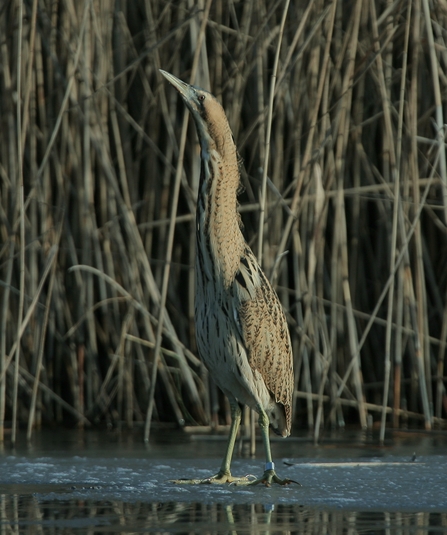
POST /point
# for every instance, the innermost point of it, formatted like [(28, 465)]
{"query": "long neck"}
[(219, 239)]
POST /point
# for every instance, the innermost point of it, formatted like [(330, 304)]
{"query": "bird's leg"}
[(269, 476), (224, 474)]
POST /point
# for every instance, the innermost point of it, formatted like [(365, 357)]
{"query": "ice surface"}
[(392, 483), (342, 489)]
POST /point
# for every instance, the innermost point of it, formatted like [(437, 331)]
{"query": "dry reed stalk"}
[(391, 170), (341, 235), (314, 260), (32, 411), (147, 273), (121, 380), (368, 406), (99, 138), (21, 328), (408, 291), (3, 327), (170, 238), (265, 163), (441, 396), (58, 399), (440, 123), (399, 293), (21, 218)]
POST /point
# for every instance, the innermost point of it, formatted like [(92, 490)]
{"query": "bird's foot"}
[(267, 478), (221, 478)]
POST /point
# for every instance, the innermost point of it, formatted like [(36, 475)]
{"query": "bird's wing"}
[(263, 328)]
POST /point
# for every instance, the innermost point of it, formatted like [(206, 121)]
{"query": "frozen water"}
[(393, 483), (342, 487)]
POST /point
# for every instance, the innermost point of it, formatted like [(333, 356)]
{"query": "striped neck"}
[(220, 242)]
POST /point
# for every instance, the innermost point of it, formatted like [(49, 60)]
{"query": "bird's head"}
[(209, 116), (277, 419)]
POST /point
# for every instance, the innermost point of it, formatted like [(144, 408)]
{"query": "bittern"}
[(241, 329)]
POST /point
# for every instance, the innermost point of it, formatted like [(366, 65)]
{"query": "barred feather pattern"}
[(242, 333)]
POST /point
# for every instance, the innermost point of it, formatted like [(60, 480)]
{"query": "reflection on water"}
[(93, 482), (29, 514)]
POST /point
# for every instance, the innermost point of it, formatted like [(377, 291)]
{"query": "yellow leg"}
[(234, 428), (269, 476), (224, 474)]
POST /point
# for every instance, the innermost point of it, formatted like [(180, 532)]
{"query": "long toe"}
[(269, 477), (221, 478)]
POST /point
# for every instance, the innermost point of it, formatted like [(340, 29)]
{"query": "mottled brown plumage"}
[(242, 333)]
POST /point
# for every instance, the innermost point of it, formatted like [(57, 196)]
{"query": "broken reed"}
[(354, 229)]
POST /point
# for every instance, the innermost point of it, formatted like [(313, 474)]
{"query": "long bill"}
[(183, 88)]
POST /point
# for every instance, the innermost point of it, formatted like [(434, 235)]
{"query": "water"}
[(91, 482)]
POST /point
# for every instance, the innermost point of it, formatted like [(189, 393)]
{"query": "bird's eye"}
[(201, 98)]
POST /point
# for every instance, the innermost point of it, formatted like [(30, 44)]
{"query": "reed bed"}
[(337, 108)]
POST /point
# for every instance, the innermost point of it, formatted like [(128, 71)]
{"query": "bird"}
[(241, 329)]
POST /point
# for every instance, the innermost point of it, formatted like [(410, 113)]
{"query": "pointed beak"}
[(183, 88)]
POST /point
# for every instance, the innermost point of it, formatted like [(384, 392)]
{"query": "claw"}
[(245, 480), (222, 478), (218, 479), (269, 477)]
